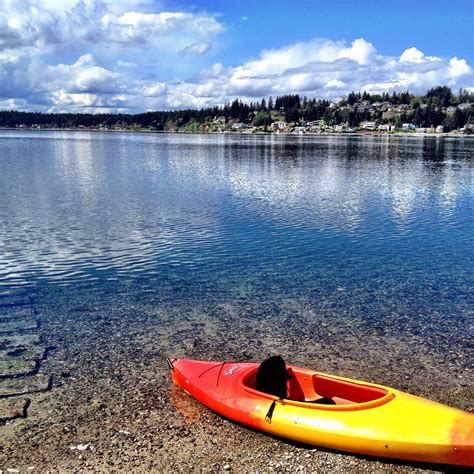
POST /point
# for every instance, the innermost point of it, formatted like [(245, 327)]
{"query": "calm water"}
[(361, 227)]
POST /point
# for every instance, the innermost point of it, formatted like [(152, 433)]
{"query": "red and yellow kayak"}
[(364, 418)]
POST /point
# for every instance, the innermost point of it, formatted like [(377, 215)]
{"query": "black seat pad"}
[(271, 377)]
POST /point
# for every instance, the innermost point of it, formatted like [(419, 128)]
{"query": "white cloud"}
[(198, 48), (458, 68), (81, 77), (40, 24), (414, 55), (27, 24), (140, 28), (335, 84)]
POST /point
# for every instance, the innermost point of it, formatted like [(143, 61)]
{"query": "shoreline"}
[(231, 133)]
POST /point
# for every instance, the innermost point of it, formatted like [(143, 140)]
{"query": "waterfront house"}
[(239, 126), (408, 126), (368, 125), (439, 129), (278, 125)]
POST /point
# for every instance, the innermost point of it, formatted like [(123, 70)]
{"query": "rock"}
[(24, 385), (14, 407), (80, 447)]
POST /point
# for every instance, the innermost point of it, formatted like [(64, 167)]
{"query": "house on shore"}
[(369, 126), (238, 127), (278, 125)]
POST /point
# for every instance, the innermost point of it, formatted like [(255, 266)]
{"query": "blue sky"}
[(137, 55)]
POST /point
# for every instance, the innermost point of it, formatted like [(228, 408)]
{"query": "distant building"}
[(239, 126), (300, 130), (439, 129), (408, 126), (368, 125), (279, 125), (384, 127), (220, 120)]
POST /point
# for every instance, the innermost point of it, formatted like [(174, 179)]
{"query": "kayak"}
[(332, 412)]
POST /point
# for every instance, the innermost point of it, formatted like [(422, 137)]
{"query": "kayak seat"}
[(324, 401), (271, 377)]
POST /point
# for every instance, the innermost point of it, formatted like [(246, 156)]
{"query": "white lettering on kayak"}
[(231, 370)]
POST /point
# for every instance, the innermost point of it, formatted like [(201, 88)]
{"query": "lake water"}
[(386, 222), (353, 255)]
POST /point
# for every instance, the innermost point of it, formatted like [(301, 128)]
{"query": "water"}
[(360, 228)]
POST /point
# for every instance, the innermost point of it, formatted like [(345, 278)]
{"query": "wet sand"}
[(112, 407)]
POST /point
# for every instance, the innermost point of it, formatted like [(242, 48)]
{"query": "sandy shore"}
[(112, 406)]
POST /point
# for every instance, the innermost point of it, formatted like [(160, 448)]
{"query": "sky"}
[(131, 56)]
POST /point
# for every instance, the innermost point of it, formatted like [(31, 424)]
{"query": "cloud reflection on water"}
[(74, 205)]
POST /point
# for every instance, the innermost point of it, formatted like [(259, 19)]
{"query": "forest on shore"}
[(438, 107)]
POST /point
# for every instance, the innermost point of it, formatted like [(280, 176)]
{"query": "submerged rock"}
[(11, 408), (24, 385)]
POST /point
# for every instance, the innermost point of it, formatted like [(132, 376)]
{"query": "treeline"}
[(439, 106)]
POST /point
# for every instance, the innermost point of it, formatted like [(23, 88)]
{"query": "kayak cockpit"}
[(309, 388)]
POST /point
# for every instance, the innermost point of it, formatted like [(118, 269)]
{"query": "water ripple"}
[(216, 211)]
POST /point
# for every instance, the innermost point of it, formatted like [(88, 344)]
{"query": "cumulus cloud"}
[(329, 69), (414, 55), (27, 24), (36, 23), (82, 77)]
